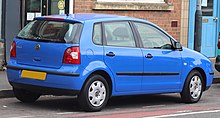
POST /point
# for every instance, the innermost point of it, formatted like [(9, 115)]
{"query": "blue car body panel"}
[(177, 64), (44, 57), (127, 60), (194, 60), (163, 62)]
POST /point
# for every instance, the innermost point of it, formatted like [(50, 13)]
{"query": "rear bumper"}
[(44, 90), (217, 66), (56, 82), (217, 63), (48, 72)]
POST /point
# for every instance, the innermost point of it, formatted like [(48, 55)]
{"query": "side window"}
[(119, 34), (151, 37), (97, 34)]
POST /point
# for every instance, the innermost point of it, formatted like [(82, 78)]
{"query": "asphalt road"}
[(144, 106)]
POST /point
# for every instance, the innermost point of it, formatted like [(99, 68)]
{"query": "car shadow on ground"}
[(143, 100), (69, 104)]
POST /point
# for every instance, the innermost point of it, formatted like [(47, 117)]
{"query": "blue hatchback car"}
[(96, 56)]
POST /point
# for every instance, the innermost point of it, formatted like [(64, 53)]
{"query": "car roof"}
[(82, 17)]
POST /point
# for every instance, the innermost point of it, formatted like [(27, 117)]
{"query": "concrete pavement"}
[(6, 89), (4, 85)]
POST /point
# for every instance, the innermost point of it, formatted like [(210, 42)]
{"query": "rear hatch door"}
[(43, 43)]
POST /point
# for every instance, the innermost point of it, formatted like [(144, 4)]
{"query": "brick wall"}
[(159, 17)]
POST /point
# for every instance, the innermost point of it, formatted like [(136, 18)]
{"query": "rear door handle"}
[(110, 54), (148, 56)]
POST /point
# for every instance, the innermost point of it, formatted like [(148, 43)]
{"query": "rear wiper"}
[(37, 36), (157, 47), (43, 40)]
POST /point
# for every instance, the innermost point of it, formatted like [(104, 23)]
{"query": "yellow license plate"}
[(33, 75)]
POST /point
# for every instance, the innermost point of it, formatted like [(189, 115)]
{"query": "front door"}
[(122, 56), (209, 28), (162, 64)]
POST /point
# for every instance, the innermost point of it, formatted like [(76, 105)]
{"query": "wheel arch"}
[(105, 75), (202, 72)]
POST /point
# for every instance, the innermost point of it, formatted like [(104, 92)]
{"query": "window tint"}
[(97, 34), (151, 37), (208, 9), (119, 34), (141, 1), (51, 31)]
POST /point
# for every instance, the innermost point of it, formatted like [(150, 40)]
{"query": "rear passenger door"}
[(123, 56)]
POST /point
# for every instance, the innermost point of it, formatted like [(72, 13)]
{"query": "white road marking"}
[(63, 113), (184, 114), (23, 117), (4, 106), (185, 111), (152, 106)]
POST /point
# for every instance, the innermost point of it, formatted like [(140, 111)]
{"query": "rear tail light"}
[(219, 45), (13, 49), (72, 55)]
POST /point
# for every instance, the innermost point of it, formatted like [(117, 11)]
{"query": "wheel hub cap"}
[(97, 93), (195, 87)]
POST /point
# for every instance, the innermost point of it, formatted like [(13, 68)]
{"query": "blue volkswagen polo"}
[(96, 56)]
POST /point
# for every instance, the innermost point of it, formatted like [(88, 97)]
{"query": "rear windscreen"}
[(51, 31)]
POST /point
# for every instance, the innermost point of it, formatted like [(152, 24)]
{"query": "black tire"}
[(192, 96), (25, 96), (84, 98)]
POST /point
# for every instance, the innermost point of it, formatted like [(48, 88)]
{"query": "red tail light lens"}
[(72, 55), (13, 50), (219, 45)]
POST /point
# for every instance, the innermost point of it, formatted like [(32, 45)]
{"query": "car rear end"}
[(45, 57), (217, 63)]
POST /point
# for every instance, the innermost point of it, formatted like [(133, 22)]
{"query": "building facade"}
[(165, 13), (210, 26), (177, 17), (17, 13), (1, 40)]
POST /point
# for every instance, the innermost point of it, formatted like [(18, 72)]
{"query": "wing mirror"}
[(178, 46)]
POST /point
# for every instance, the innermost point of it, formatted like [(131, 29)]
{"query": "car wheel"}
[(25, 96), (193, 88), (95, 94)]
